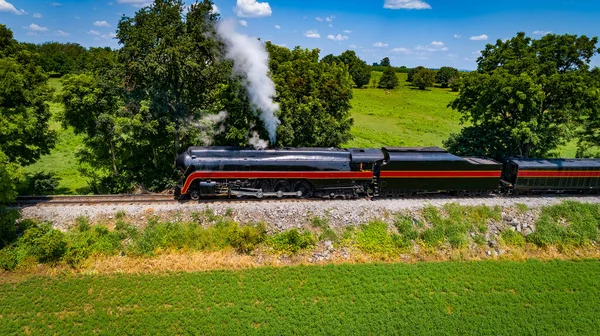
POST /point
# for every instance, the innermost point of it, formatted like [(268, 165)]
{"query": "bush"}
[(292, 241), (423, 78), (374, 238), (49, 246), (513, 238), (42, 183), (245, 239), (388, 80), (8, 259), (8, 229)]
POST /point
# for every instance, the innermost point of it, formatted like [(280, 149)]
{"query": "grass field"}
[(61, 159), (405, 116), (469, 298)]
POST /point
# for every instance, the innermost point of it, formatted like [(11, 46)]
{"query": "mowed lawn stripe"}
[(492, 297)]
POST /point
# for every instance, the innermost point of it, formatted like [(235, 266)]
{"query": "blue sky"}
[(411, 32)]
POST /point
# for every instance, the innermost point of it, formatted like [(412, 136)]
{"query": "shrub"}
[(374, 238), (245, 239), (42, 183), (49, 246), (82, 224), (513, 238), (8, 259), (8, 229), (328, 234), (292, 241), (388, 80), (317, 221)]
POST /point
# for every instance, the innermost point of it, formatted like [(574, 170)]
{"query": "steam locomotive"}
[(210, 172)]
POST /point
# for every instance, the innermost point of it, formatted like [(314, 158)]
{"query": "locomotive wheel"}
[(195, 195), (305, 188), (282, 186)]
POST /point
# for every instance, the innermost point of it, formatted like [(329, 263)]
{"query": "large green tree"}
[(24, 115), (314, 99), (589, 140), (446, 75), (359, 70), (138, 107), (423, 78), (527, 96), (388, 79)]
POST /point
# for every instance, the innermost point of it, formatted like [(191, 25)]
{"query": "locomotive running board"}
[(258, 193)]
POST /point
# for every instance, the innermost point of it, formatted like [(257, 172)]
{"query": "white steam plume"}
[(256, 142), (206, 126), (251, 60)]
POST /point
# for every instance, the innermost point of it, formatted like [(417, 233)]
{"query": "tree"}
[(388, 79), (24, 115), (359, 70), (314, 99), (412, 72), (385, 62), (138, 110), (589, 138), (527, 96), (423, 78), (445, 75)]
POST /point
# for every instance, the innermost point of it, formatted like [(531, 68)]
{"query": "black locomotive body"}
[(297, 172), (385, 172), (433, 170), (525, 176)]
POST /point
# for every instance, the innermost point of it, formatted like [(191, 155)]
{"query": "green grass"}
[(404, 117), (455, 298), (61, 159)]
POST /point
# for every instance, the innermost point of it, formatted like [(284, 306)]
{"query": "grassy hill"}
[(404, 116)]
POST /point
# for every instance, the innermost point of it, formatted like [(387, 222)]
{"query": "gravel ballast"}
[(283, 215)]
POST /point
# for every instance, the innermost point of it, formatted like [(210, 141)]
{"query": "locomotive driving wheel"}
[(305, 188), (282, 187)]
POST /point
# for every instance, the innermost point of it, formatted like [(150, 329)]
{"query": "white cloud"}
[(6, 6), (402, 50), (541, 32), (101, 24), (380, 44), (348, 31), (353, 46), (338, 37), (214, 9), (243, 23), (136, 3), (456, 36), (406, 4), (252, 8), (36, 15), (320, 19), (282, 45), (330, 18), (330, 25), (452, 55), (35, 28), (109, 36), (313, 33), (481, 37), (434, 46), (94, 32), (62, 33), (277, 27), (56, 4)]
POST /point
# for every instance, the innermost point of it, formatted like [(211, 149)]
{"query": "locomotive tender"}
[(385, 172)]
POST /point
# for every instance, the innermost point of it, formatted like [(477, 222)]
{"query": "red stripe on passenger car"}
[(441, 174), (558, 173), (295, 175)]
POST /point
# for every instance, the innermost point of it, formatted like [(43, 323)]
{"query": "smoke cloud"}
[(206, 127), (256, 142), (251, 60)]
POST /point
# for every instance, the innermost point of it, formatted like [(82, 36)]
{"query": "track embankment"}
[(278, 214)]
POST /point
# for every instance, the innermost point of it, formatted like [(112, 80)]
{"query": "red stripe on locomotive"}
[(302, 175), (441, 174), (558, 173)]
